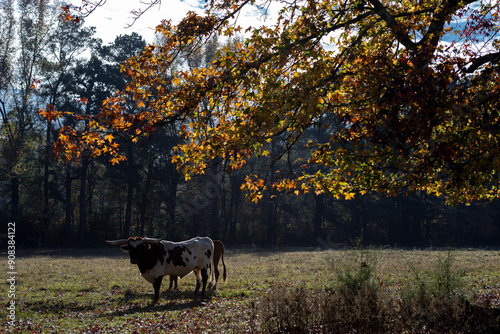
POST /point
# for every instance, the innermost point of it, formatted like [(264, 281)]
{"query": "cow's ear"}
[(124, 248)]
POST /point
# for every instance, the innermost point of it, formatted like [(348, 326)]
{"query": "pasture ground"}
[(99, 291)]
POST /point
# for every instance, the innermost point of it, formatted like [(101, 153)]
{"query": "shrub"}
[(355, 272), (435, 299), (445, 281), (423, 290), (284, 311), (301, 310), (353, 302), (431, 302)]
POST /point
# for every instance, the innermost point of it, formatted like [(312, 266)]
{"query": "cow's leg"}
[(156, 286), (204, 276), (214, 286), (216, 267), (198, 280), (173, 282)]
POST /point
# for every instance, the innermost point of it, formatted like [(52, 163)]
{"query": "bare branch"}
[(89, 6), (139, 12)]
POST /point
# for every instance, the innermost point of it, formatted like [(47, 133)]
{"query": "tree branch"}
[(478, 62), (5, 119), (391, 22), (443, 15), (138, 12)]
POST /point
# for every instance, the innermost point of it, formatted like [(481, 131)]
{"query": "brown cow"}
[(218, 254)]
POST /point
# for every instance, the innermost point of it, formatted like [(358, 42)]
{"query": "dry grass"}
[(99, 291)]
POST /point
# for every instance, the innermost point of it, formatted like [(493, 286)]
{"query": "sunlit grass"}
[(100, 291)]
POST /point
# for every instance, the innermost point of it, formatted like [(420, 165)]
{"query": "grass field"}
[(99, 291)]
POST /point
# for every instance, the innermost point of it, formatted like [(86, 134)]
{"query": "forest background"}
[(46, 60)]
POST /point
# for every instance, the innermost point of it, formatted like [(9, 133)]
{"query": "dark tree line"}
[(45, 60)]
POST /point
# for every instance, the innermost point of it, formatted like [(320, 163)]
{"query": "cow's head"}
[(136, 246)]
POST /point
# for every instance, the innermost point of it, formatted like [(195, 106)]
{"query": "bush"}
[(300, 310), (355, 273), (282, 311), (445, 281), (442, 285), (353, 302), (430, 303)]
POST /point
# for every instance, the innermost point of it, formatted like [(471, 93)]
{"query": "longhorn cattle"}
[(157, 258), (218, 254)]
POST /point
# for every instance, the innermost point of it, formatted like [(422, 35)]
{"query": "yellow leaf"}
[(349, 196), (109, 137)]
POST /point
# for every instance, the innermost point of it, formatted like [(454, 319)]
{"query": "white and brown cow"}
[(218, 255), (157, 258)]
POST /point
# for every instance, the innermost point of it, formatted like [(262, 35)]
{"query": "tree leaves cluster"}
[(405, 93), (50, 62), (256, 130)]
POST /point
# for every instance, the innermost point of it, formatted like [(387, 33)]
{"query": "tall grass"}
[(99, 291), (442, 281), (431, 301)]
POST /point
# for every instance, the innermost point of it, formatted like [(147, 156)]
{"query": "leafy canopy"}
[(406, 93)]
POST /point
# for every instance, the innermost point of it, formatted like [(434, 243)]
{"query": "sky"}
[(111, 19)]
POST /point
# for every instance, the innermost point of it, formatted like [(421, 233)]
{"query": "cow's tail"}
[(224, 274)]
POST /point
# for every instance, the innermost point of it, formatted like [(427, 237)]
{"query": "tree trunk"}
[(212, 192), (83, 203), (45, 218), (358, 219), (130, 192), (14, 188), (143, 209), (69, 209), (90, 196), (214, 218), (128, 210), (234, 205), (318, 216), (172, 203), (270, 205), (395, 231), (270, 208)]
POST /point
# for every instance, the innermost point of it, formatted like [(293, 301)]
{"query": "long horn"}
[(117, 242), (151, 240)]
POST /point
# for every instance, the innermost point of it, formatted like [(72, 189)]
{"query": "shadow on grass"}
[(128, 302), (169, 301), (59, 307)]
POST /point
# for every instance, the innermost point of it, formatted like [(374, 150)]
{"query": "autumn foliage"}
[(405, 91)]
